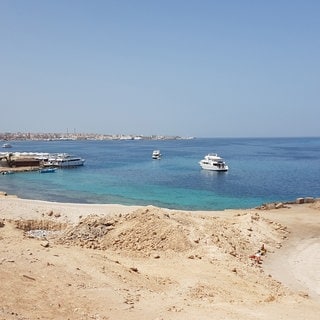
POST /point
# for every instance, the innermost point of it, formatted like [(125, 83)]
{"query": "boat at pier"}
[(65, 160), (47, 170)]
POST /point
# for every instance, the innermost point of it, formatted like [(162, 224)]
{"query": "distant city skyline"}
[(81, 136), (172, 68)]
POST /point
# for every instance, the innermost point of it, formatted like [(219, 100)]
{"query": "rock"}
[(44, 244), (309, 200), (279, 205), (299, 200), (303, 294)]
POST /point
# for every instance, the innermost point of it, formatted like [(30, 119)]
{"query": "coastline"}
[(131, 271)]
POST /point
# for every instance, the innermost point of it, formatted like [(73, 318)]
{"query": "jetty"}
[(11, 162), (30, 161)]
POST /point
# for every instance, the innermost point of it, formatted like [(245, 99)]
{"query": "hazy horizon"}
[(70, 134)]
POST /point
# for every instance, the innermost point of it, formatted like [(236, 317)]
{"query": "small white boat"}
[(156, 154), (7, 172), (6, 145), (213, 162)]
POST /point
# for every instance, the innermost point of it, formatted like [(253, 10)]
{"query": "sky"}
[(200, 68)]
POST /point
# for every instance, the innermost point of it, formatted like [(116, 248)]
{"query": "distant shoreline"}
[(17, 136)]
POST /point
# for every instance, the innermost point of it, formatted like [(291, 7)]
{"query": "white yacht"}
[(156, 154), (64, 160), (213, 162)]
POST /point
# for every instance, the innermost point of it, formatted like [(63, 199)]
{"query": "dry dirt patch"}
[(148, 264)]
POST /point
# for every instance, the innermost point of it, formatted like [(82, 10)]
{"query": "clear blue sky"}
[(203, 68)]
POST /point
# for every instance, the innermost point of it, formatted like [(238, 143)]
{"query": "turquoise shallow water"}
[(261, 170)]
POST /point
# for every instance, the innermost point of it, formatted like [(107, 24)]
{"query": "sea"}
[(261, 170)]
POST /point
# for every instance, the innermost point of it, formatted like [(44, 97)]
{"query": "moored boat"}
[(213, 162), (47, 170), (64, 160), (7, 172), (156, 154), (6, 145)]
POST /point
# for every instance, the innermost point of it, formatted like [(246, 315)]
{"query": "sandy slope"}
[(118, 262)]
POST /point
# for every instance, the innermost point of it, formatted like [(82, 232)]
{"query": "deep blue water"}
[(260, 170)]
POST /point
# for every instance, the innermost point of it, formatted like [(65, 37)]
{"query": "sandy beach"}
[(80, 261)]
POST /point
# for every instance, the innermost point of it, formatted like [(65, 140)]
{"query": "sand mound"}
[(315, 205), (141, 232), (153, 230)]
